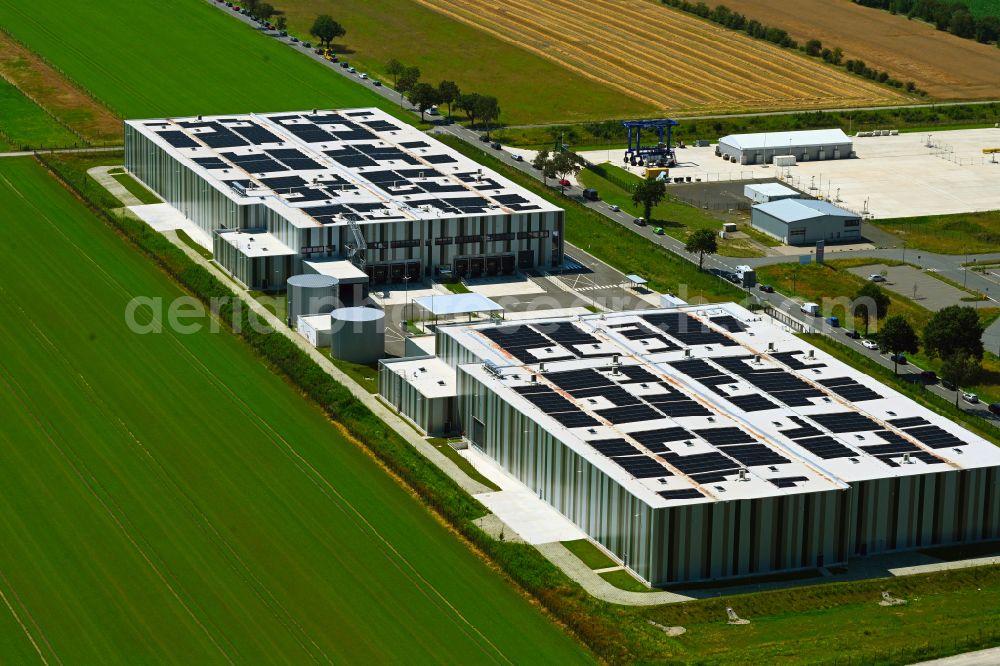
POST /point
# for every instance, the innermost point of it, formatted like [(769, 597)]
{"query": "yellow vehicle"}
[(654, 172), (991, 151)]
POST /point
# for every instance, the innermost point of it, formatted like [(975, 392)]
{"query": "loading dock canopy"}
[(456, 304)]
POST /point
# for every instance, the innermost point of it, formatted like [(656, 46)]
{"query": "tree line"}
[(476, 107), (728, 18), (949, 16), (953, 334), (265, 11)]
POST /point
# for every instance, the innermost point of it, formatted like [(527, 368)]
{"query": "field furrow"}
[(676, 61)]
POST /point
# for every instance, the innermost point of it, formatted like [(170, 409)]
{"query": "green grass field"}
[(530, 88), (135, 188), (185, 57), (677, 218), (983, 7), (166, 498), (25, 125), (948, 234)]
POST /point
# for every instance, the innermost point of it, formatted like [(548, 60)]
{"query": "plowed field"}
[(666, 58), (947, 67)]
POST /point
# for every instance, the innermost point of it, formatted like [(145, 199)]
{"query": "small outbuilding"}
[(764, 192), (803, 145), (805, 221)]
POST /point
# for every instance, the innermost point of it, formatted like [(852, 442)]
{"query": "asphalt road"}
[(947, 265)]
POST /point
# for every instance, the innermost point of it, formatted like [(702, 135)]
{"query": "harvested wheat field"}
[(666, 58), (947, 67)]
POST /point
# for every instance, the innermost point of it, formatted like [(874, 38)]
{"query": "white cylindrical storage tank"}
[(357, 334), (311, 294)]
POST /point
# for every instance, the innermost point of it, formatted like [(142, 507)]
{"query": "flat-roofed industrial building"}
[(356, 184), (706, 442), (806, 221), (803, 145)]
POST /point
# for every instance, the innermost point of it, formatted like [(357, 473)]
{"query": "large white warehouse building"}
[(705, 442), (803, 145), (278, 188)]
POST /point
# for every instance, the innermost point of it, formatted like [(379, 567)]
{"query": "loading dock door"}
[(476, 267), (461, 268), (413, 270), (507, 264), (381, 274), (526, 259), (396, 272), (492, 266)]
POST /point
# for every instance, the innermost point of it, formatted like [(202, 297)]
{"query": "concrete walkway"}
[(103, 176), (29, 153)]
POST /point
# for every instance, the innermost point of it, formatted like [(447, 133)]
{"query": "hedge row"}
[(596, 623)]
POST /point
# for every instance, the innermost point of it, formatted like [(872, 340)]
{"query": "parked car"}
[(517, 158), (766, 288), (658, 231), (898, 358), (733, 277), (495, 145), (293, 39), (875, 277), (639, 221), (283, 33), (307, 45), (564, 182), (970, 398), (929, 376), (363, 75), (613, 208), (344, 64), (376, 83), (994, 408), (352, 70), (484, 138), (869, 344), (852, 334), (319, 52), (947, 384)]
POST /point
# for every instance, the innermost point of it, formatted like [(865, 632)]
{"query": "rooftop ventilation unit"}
[(687, 352), (907, 459), (541, 367), (743, 475), (770, 346), (492, 368)]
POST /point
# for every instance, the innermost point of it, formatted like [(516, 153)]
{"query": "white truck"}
[(810, 309)]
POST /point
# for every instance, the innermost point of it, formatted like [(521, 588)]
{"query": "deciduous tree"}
[(897, 336), (648, 194), (325, 29), (703, 242)]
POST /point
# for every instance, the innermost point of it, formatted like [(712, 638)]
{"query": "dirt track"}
[(667, 58), (944, 65)]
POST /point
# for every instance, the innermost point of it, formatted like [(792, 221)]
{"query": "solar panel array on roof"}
[(642, 467), (568, 335), (752, 403), (518, 339), (787, 481), (614, 447), (687, 329), (556, 406), (629, 414), (681, 493), (777, 383), (210, 163), (845, 422), (256, 134), (713, 463), (850, 389), (909, 421), (792, 361), (825, 447), (178, 139), (895, 446), (640, 331), (656, 440), (730, 323), (256, 163), (934, 436), (221, 137)]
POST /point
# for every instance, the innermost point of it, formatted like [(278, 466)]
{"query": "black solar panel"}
[(655, 440), (754, 455), (643, 467), (439, 159), (850, 389), (518, 339), (752, 403), (696, 368), (566, 334), (845, 422), (805, 429), (211, 162), (570, 380), (729, 323), (614, 394), (787, 481), (641, 331), (909, 421), (687, 329), (934, 436), (614, 447), (178, 139), (792, 361), (629, 414), (825, 447), (701, 462), (723, 436), (637, 373), (256, 135), (681, 493), (222, 138), (255, 163), (678, 406)]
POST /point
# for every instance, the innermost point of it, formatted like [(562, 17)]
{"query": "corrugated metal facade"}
[(474, 245)]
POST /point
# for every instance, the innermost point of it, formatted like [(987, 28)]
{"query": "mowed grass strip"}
[(24, 125), (186, 57), (165, 497), (963, 233), (531, 89)]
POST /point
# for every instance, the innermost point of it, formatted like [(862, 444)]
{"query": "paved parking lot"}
[(921, 287)]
